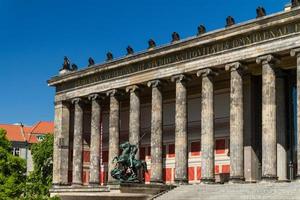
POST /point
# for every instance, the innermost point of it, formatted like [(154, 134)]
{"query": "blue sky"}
[(35, 35)]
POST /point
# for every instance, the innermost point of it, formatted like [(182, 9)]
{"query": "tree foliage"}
[(13, 181), (12, 171), (39, 181)]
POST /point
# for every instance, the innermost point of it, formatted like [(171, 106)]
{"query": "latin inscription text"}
[(195, 52)]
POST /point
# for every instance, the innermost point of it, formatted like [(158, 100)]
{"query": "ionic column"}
[(156, 132), (61, 143), (181, 137), (236, 122), (269, 131), (207, 126), (296, 52), (77, 142), (94, 179), (134, 116), (114, 131)]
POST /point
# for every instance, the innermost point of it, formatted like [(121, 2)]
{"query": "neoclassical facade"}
[(220, 106)]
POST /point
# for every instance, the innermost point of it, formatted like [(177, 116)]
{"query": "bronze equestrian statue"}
[(127, 167)]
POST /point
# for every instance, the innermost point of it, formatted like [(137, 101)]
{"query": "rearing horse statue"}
[(127, 166)]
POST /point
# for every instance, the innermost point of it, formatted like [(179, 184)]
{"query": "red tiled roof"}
[(25, 133), (41, 128), (14, 132), (31, 138)]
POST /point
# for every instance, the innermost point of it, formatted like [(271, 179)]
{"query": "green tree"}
[(39, 181), (12, 171)]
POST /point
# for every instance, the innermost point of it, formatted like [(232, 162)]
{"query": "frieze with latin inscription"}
[(183, 55)]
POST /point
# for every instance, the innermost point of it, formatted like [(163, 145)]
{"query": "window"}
[(40, 137), (16, 151)]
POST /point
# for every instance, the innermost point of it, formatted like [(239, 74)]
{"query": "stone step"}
[(274, 191)]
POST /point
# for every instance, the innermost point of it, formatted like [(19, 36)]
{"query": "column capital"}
[(206, 72), (133, 88), (77, 100), (180, 78), (236, 66), (93, 97), (154, 83), (295, 52), (113, 92), (267, 59)]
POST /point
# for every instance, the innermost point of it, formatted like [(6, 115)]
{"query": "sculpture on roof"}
[(175, 37), (151, 44), (129, 50), (74, 67), (91, 61), (127, 166), (66, 64), (295, 3), (109, 56), (260, 12), (201, 30), (229, 21)]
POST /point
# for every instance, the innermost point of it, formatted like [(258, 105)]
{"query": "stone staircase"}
[(274, 191)]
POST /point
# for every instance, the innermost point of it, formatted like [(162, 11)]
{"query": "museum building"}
[(220, 106)]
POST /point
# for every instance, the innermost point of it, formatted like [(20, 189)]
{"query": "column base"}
[(283, 181), (76, 185), (58, 185), (208, 180), (269, 178), (297, 178), (94, 184), (157, 182), (114, 182), (181, 181), (236, 179)]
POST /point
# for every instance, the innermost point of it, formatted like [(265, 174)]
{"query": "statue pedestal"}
[(122, 191), (151, 189)]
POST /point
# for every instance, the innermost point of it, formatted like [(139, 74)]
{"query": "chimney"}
[(22, 131)]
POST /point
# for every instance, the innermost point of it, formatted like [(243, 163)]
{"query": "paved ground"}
[(274, 191)]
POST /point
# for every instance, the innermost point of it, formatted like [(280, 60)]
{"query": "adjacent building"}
[(22, 136)]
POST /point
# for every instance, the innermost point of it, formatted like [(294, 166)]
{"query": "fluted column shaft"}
[(77, 142), (181, 137), (236, 122), (61, 143), (95, 140), (296, 52), (207, 126), (134, 117), (156, 132), (114, 131), (269, 130)]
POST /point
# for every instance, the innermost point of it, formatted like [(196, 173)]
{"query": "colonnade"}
[(269, 65)]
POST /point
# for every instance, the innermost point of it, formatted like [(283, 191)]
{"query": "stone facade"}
[(230, 91)]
